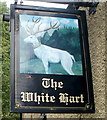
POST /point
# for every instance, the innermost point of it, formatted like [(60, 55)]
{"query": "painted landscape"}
[(58, 33)]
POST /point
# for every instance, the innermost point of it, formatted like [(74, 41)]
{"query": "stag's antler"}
[(31, 31), (37, 20), (56, 25)]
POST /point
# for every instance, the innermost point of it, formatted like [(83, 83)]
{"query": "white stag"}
[(48, 54)]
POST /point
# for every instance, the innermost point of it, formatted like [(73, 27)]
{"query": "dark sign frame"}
[(82, 83)]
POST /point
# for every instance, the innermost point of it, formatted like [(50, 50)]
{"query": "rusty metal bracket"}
[(71, 5), (92, 6), (74, 4), (6, 17)]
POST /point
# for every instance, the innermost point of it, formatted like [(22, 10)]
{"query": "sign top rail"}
[(57, 1), (84, 3), (64, 1)]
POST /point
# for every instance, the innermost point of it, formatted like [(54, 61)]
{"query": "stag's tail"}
[(72, 57)]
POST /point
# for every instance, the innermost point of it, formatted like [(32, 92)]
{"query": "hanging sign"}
[(50, 63)]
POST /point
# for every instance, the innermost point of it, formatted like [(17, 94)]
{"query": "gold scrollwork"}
[(17, 105), (87, 106)]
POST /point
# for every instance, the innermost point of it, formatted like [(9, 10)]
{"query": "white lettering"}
[(50, 83), (23, 96), (82, 97), (46, 82), (27, 96), (65, 98), (46, 98)]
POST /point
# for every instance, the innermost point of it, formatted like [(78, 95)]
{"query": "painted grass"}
[(36, 66)]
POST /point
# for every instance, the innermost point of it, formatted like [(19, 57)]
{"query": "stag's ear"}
[(39, 39)]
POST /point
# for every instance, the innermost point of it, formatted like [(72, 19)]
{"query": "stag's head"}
[(31, 39), (34, 34)]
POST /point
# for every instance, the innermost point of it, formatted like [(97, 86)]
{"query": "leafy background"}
[(5, 58)]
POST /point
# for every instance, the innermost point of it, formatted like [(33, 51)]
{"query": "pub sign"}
[(50, 63)]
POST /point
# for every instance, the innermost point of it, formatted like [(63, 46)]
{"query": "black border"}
[(85, 45)]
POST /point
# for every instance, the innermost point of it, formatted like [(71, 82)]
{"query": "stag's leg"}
[(45, 63), (67, 64), (49, 68)]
